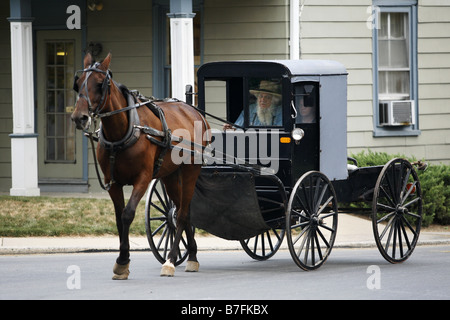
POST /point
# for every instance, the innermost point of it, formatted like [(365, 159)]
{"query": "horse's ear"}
[(87, 60), (105, 63)]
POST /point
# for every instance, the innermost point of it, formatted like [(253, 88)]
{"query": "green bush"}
[(434, 182)]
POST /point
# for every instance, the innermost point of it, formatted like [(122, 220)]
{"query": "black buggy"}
[(262, 182)]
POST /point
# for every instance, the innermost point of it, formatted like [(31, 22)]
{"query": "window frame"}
[(409, 7)]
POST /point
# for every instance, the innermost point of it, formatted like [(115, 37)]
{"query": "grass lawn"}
[(46, 216)]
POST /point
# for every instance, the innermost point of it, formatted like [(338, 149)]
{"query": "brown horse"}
[(129, 157)]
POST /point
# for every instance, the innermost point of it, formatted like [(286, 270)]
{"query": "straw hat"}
[(266, 86)]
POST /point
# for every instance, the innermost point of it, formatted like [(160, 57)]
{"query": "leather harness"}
[(134, 101)]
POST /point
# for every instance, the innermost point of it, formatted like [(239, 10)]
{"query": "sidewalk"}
[(353, 232)]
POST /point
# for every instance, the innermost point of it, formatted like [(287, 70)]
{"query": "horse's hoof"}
[(168, 269), (192, 266), (121, 272)]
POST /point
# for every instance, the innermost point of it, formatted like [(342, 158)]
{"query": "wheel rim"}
[(312, 220), (160, 223), (397, 210), (264, 245)]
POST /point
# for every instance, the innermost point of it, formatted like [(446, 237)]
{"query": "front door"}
[(60, 147)]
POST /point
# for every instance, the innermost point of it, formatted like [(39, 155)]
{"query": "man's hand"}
[(228, 126)]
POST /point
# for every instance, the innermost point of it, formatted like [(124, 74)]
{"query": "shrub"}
[(434, 182)]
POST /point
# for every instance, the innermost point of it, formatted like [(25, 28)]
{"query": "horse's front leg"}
[(121, 267)]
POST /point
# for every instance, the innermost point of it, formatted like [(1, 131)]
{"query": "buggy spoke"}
[(325, 241), (264, 245), (163, 203), (325, 205), (410, 189), (411, 202), (158, 208), (306, 230), (405, 235), (319, 250), (387, 197), (385, 207), (328, 228), (388, 227), (159, 228), (316, 201), (387, 216)]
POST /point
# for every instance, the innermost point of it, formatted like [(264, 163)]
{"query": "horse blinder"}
[(76, 88)]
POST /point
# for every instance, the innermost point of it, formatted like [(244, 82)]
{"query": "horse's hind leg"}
[(192, 264), (182, 185), (190, 175)]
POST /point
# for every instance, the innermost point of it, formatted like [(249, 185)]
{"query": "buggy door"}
[(306, 154)]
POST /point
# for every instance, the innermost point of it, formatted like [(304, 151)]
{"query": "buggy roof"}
[(288, 68)]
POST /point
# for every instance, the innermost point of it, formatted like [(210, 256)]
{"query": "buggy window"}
[(306, 99), (246, 102), (263, 107)]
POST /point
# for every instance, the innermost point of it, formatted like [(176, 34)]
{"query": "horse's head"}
[(93, 86)]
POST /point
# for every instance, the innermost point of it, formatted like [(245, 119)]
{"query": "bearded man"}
[(267, 110)]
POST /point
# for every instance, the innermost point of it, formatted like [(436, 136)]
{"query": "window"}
[(60, 99), (264, 104), (306, 102), (395, 71), (393, 57), (251, 102)]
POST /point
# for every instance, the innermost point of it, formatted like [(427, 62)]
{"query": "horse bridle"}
[(106, 88)]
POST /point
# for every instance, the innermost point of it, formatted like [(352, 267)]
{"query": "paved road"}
[(348, 274)]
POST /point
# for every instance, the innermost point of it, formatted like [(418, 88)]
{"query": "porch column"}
[(181, 46), (24, 162), (294, 30)]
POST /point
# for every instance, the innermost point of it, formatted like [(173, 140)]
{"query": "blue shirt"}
[(254, 120)]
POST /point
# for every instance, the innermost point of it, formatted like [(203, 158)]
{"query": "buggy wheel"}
[(264, 245), (397, 210), (311, 220), (160, 223)]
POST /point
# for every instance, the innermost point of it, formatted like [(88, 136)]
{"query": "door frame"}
[(48, 180)]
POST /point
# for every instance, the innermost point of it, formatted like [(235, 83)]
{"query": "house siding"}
[(239, 30), (242, 30), (6, 119), (340, 32), (434, 79)]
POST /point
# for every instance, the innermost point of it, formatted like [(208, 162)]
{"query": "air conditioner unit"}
[(397, 113)]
